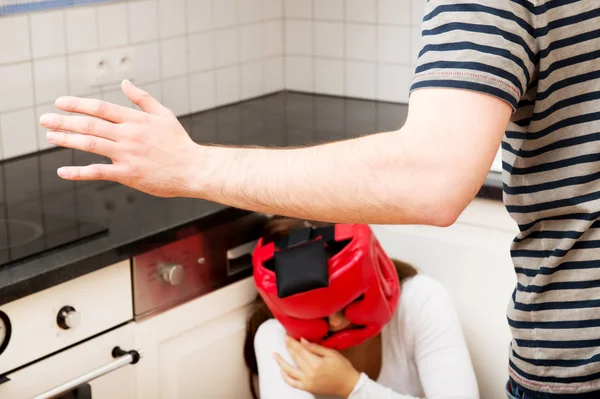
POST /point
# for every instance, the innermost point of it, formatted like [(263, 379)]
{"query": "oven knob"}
[(172, 274), (68, 318)]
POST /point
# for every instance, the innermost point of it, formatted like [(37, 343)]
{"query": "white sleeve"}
[(366, 388), (439, 348), (269, 339)]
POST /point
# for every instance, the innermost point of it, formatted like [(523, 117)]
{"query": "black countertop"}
[(30, 183)]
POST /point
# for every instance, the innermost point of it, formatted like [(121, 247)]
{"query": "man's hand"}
[(149, 149), (320, 371)]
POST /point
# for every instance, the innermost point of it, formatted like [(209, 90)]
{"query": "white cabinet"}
[(206, 361), (472, 260), (196, 349)]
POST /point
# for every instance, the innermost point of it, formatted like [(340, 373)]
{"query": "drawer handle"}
[(239, 259), (123, 359)]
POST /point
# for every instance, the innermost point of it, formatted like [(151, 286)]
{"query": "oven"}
[(77, 340), (71, 341)]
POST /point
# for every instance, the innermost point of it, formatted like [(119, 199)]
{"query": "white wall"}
[(191, 54), (472, 260), (356, 48)]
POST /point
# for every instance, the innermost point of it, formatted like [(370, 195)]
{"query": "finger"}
[(142, 99), (79, 124), (90, 172), (291, 381), (98, 108), (301, 356), (315, 348), (95, 145), (288, 368)]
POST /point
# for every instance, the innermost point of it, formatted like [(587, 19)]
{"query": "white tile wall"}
[(176, 94), (16, 86), (82, 29), (18, 132), (329, 9), (48, 34), (226, 47), (199, 15), (329, 39), (171, 18), (191, 55), (13, 50), (329, 76), (201, 52), (298, 8), (197, 54), (361, 11), (228, 85), (173, 57), (202, 86), (112, 26), (143, 21), (357, 48), (50, 79)]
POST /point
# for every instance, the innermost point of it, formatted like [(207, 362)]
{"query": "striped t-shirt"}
[(543, 58)]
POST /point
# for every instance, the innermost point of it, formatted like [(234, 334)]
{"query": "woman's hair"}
[(276, 228)]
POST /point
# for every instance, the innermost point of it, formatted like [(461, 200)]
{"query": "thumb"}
[(142, 99)]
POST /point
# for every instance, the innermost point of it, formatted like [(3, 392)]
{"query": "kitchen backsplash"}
[(197, 54), (191, 55), (355, 48)]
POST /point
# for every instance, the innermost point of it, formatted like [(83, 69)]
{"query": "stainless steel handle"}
[(239, 258), (123, 359), (239, 251)]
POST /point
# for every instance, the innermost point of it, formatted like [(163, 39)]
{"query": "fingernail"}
[(303, 341), (46, 119), (61, 102), (64, 173), (51, 136)]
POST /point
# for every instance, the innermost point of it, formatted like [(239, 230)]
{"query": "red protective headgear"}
[(302, 287)]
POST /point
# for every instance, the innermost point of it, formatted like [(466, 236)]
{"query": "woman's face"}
[(338, 322)]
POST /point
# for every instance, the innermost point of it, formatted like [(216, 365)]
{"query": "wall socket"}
[(111, 67)]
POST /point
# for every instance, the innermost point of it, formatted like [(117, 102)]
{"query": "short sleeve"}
[(485, 46)]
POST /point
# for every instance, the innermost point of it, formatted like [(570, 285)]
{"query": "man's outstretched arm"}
[(425, 173)]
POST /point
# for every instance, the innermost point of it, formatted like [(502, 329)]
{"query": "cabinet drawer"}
[(102, 300)]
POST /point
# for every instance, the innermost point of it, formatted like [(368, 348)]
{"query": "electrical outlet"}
[(124, 63), (99, 69), (107, 69)]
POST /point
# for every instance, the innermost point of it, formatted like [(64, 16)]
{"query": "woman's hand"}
[(320, 371)]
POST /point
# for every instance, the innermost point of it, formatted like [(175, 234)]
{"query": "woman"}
[(419, 352)]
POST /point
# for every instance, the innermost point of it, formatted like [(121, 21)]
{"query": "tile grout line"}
[(313, 47), (130, 44), (214, 54), (98, 48), (344, 45), (283, 47), (188, 68), (33, 86), (238, 30), (377, 62)]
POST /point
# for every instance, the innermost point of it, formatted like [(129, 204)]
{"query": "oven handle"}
[(123, 359)]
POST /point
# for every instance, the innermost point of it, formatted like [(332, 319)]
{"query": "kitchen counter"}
[(136, 220)]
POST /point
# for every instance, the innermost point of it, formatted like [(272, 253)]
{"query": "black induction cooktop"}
[(25, 237), (40, 212)]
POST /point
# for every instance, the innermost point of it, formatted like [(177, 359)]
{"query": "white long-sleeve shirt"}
[(424, 352)]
